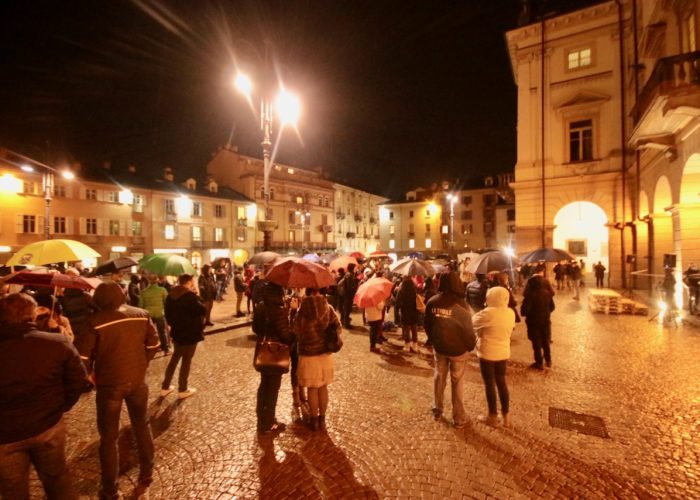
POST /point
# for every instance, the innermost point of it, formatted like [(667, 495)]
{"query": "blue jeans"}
[(494, 375), (46, 451), (456, 366), (109, 407)]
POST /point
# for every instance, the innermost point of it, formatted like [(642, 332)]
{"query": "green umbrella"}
[(166, 264)]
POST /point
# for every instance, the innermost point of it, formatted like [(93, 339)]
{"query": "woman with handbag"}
[(313, 326), (273, 332)]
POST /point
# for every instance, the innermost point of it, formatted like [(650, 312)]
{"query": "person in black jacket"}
[(348, 287), (271, 322), (41, 378), (448, 325), (207, 290), (476, 292), (537, 306), (186, 315)]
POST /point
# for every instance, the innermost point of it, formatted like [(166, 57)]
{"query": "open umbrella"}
[(378, 255), (51, 252), (417, 255), (44, 278), (327, 258), (262, 258), (373, 291), (166, 264), (312, 257), (408, 266), (491, 261), (358, 255), (546, 255), (114, 265), (343, 262), (294, 272)]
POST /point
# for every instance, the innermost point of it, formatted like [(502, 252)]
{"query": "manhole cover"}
[(579, 422)]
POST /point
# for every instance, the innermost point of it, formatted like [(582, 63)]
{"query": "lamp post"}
[(47, 178), (287, 108), (451, 198)]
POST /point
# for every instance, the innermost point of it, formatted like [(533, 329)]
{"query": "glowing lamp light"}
[(5, 249), (383, 214), (119, 249), (126, 197), (27, 168), (10, 184), (432, 207), (243, 84), (68, 175), (252, 211), (288, 107), (509, 251), (183, 206), (662, 306), (240, 256)]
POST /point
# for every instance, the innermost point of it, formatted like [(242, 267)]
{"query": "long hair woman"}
[(315, 369)]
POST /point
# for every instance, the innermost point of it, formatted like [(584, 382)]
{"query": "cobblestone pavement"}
[(643, 379)]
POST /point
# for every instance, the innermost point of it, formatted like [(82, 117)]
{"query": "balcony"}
[(138, 240), (170, 217), (411, 234), (339, 215), (298, 246), (137, 208), (209, 244), (325, 228), (372, 220), (350, 235), (242, 222), (669, 100), (358, 218)]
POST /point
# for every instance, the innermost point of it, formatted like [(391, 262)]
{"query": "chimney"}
[(131, 169), (168, 174)]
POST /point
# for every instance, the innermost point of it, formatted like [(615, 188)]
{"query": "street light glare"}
[(243, 84), (27, 168), (288, 108), (68, 175)]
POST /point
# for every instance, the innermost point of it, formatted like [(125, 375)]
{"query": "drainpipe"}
[(623, 137), (542, 130)]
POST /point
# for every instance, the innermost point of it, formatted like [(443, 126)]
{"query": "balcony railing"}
[(358, 218), (325, 228), (349, 235), (170, 217), (138, 240), (339, 215), (242, 222), (671, 75), (286, 246), (209, 244), (372, 220)]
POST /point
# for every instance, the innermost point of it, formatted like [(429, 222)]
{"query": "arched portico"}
[(581, 228)]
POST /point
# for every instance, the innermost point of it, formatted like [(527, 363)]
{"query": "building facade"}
[(608, 138), (356, 219), (125, 214)]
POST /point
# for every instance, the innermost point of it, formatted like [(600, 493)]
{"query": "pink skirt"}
[(315, 371)]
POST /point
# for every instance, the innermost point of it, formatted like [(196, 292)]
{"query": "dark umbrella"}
[(262, 258), (546, 255), (51, 279), (490, 261), (114, 265)]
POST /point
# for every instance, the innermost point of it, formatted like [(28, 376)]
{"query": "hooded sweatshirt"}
[(494, 325), (310, 323), (448, 321), (120, 340), (186, 315)]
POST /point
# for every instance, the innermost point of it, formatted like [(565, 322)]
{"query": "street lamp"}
[(287, 109), (47, 181), (451, 198)]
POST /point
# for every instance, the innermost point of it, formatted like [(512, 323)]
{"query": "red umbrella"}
[(373, 291), (357, 255), (293, 272), (378, 255), (343, 262), (49, 279)]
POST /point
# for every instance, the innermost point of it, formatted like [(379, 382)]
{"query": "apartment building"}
[(608, 160), (124, 213), (356, 219)]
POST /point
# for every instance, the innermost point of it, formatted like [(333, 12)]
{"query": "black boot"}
[(314, 424)]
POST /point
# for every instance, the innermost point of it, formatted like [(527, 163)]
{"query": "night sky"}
[(396, 93)]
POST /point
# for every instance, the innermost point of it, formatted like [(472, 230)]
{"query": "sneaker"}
[(406, 347), (506, 421), (165, 392), (536, 366), (186, 394), (273, 429), (489, 419), (548, 364)]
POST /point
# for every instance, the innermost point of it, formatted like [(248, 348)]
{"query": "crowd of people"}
[(105, 341)]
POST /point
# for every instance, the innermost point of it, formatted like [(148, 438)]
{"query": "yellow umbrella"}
[(51, 252)]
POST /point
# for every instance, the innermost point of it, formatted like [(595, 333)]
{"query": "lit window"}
[(581, 141), (114, 228), (428, 243), (241, 212), (126, 197), (579, 58), (169, 232), (392, 228), (445, 229), (218, 234), (466, 229), (392, 244), (196, 233), (411, 243), (136, 228)]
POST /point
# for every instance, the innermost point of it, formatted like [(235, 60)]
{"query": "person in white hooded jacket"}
[(494, 326)]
